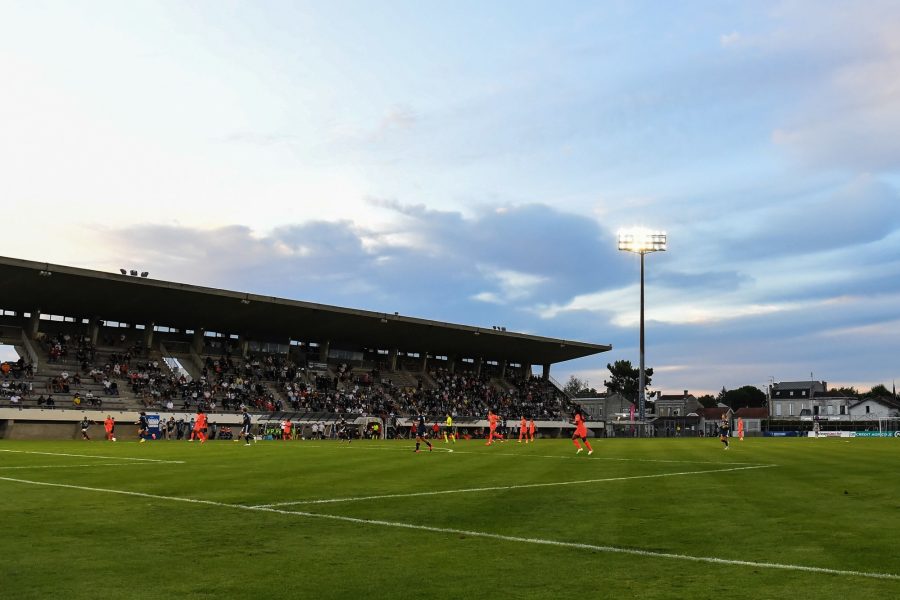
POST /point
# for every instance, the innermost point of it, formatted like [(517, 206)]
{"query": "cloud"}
[(860, 211), (431, 263)]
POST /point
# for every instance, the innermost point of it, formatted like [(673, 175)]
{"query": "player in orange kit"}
[(492, 424), (110, 426), (199, 427), (741, 429), (581, 432), (531, 429), (523, 429)]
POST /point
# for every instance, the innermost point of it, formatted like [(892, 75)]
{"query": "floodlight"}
[(133, 273), (123, 271), (642, 240), (145, 273)]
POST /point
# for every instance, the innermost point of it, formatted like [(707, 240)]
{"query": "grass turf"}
[(826, 503)]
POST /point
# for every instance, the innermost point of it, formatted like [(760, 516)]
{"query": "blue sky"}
[(472, 162)]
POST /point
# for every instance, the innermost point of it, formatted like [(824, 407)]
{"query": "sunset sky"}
[(472, 162)]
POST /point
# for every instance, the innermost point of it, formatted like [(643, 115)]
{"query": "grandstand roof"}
[(86, 293)]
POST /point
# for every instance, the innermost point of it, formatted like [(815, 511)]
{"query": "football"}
[(114, 439), (153, 436)]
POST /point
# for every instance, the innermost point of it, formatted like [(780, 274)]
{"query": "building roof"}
[(675, 397), (889, 402), (752, 412), (817, 386), (84, 293), (712, 413)]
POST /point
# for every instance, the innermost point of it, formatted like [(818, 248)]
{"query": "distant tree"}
[(707, 400), (878, 391), (743, 397), (625, 379), (849, 392), (579, 388)]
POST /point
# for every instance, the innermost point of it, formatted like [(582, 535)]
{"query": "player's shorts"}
[(245, 430), (580, 432)]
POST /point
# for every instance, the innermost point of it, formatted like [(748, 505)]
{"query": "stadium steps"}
[(402, 379)]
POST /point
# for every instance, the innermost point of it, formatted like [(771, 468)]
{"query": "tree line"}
[(624, 379)]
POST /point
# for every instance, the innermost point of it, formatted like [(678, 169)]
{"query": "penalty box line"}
[(506, 487), (480, 534), (152, 460)]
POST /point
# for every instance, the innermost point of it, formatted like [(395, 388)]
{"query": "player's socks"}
[(588, 445)]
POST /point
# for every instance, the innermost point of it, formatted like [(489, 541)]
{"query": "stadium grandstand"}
[(96, 343)]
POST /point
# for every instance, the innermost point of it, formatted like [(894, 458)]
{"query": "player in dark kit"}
[(421, 430), (723, 432), (85, 423), (344, 431), (143, 428), (245, 427)]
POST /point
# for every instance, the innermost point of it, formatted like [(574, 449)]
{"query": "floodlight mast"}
[(642, 241)]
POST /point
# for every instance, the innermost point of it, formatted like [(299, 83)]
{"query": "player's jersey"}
[(85, 423), (142, 422), (245, 422), (420, 425), (580, 428), (531, 426), (449, 421), (523, 425), (723, 429), (492, 419), (109, 424), (200, 423)]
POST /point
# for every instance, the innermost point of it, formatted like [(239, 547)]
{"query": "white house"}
[(875, 408)]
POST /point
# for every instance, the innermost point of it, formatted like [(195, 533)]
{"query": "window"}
[(778, 409), (791, 408), (792, 392), (868, 409), (831, 409), (843, 409)]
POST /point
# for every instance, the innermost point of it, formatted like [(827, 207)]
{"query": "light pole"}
[(642, 241)]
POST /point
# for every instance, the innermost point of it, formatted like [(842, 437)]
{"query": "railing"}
[(560, 387), (29, 348)]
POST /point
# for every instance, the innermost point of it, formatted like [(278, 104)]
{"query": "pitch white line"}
[(156, 460), (365, 446), (506, 487), (481, 534), (73, 466)]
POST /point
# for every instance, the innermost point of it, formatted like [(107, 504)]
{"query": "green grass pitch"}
[(672, 518)]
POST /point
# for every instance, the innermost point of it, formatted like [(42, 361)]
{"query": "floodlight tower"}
[(642, 241)]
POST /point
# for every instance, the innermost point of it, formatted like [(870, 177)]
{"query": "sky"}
[(472, 162)]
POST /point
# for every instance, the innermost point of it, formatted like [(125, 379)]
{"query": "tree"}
[(707, 400), (579, 388), (624, 379), (849, 392), (742, 397), (878, 391)]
